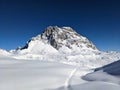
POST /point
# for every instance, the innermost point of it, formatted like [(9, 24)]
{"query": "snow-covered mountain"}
[(59, 45), (55, 42), (65, 45), (64, 37)]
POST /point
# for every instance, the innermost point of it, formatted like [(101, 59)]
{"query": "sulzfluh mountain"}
[(62, 37), (65, 45)]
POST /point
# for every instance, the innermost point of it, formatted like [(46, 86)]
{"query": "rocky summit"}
[(58, 37)]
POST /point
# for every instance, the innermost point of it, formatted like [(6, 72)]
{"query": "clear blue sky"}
[(98, 20)]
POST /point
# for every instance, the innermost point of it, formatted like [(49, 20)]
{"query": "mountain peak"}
[(64, 39), (65, 36)]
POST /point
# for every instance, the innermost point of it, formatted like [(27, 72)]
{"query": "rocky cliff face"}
[(65, 36)]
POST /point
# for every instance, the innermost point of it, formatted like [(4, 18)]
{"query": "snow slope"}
[(109, 73), (93, 86), (33, 75), (44, 75)]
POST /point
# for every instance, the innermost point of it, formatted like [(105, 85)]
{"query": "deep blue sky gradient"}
[(98, 20)]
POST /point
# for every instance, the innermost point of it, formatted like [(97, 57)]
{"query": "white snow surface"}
[(44, 75), (33, 75)]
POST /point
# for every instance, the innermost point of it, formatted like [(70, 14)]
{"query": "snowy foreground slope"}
[(59, 59), (41, 75)]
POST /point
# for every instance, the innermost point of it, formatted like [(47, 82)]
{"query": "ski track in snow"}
[(69, 79)]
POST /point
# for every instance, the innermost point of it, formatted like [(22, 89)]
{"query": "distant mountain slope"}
[(4, 52)]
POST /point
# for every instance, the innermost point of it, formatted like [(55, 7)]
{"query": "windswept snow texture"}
[(112, 68), (107, 73)]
